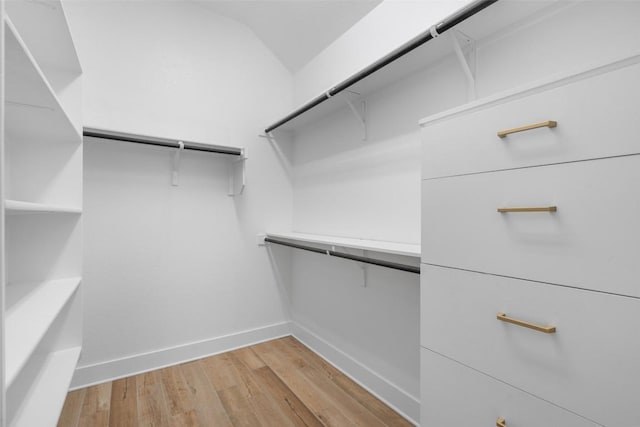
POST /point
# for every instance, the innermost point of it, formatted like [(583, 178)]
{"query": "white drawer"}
[(590, 365), (455, 395), (592, 241), (596, 117)]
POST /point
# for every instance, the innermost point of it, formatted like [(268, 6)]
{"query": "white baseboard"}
[(88, 375), (404, 403)]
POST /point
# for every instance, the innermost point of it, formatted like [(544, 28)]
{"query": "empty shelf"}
[(16, 207), (29, 98), (344, 242), (31, 310), (43, 27), (44, 399)]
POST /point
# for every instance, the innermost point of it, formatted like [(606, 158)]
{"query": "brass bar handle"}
[(501, 422), (545, 329), (533, 209), (547, 124)]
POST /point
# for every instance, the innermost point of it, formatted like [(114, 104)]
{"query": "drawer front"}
[(590, 365), (592, 241), (596, 117), (455, 395)]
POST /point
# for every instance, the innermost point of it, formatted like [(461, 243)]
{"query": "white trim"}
[(533, 88), (404, 403), (89, 375)]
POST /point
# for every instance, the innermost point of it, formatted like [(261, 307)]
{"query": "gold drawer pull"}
[(545, 329), (547, 124), (501, 422), (534, 209)]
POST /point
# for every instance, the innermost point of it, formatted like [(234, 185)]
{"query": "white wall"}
[(344, 186), (167, 267)]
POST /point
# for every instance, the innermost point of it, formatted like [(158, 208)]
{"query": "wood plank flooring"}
[(276, 383)]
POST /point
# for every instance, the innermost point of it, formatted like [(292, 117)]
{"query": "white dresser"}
[(530, 284)]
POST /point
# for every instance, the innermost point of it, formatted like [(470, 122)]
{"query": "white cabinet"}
[(594, 111), (455, 395), (41, 143), (581, 364), (529, 255), (586, 242)]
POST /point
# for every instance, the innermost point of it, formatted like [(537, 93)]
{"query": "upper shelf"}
[(44, 29), (405, 249), (476, 21), (29, 98)]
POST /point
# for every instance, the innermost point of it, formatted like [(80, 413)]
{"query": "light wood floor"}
[(277, 383)]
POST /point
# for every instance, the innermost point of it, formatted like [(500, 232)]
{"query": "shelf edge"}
[(396, 248)]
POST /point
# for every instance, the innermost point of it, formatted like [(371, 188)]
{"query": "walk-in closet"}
[(319, 213)]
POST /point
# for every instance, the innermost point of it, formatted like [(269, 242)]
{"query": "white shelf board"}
[(44, 28), (45, 398), (17, 207), (30, 99), (31, 310), (369, 245), (492, 20)]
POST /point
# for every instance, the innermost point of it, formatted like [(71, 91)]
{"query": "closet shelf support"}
[(238, 174), (176, 164), (360, 117), (466, 59)]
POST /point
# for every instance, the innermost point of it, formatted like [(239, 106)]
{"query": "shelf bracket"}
[(176, 164), (365, 270), (238, 175), (467, 60), (360, 117)]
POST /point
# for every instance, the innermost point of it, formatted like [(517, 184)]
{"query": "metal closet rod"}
[(367, 260), (162, 142), (412, 44)]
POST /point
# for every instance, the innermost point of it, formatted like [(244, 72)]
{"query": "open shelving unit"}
[(41, 147)]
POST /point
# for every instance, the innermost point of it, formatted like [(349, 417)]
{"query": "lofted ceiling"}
[(294, 30)]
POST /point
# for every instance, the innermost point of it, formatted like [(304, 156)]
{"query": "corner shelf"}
[(31, 310), (405, 249), (30, 99), (16, 207), (44, 399)]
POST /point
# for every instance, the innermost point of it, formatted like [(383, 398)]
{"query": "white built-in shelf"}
[(33, 111), (406, 249), (44, 28), (31, 310), (45, 398), (16, 207), (495, 19)]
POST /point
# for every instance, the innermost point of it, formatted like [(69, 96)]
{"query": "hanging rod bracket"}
[(176, 164), (434, 31), (360, 116), (365, 269), (466, 55), (238, 174)]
